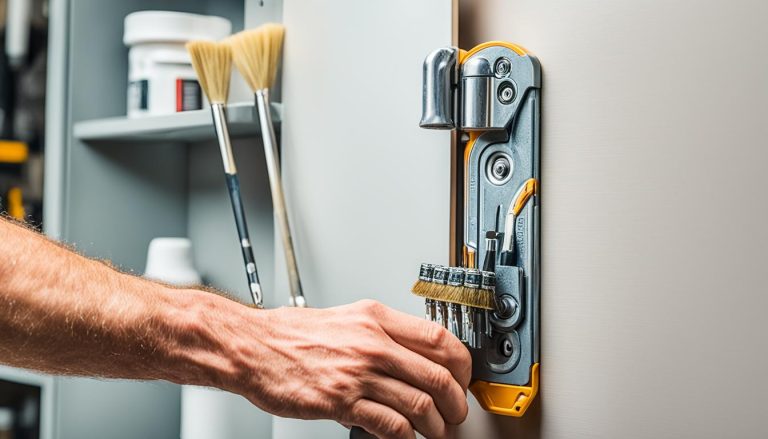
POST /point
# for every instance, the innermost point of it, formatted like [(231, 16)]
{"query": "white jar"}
[(161, 79), (6, 423), (170, 260), (205, 412)]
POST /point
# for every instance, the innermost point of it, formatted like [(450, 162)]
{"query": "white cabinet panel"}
[(367, 188)]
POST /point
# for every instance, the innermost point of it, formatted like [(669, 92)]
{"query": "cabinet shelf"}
[(188, 126)]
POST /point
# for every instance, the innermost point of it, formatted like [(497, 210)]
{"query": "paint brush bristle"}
[(213, 63), (474, 297), (256, 54)]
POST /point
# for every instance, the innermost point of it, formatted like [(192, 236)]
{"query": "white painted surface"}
[(211, 413), (654, 205), (367, 189)]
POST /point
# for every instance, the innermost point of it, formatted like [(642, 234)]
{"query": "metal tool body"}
[(278, 199), (218, 112), (495, 88), (440, 277)]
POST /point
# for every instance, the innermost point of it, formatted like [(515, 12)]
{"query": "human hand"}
[(361, 364)]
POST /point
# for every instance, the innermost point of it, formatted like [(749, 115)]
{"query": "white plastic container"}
[(161, 79), (205, 413), (170, 260), (6, 423)]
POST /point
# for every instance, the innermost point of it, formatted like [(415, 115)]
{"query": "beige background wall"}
[(654, 205)]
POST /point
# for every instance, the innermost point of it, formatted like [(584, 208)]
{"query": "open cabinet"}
[(367, 190), (653, 163), (113, 184)]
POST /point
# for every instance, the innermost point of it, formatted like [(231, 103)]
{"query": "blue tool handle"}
[(233, 184)]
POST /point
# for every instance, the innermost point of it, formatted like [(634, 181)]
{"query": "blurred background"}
[(23, 37)]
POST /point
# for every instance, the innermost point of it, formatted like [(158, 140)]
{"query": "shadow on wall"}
[(468, 35), (483, 424)]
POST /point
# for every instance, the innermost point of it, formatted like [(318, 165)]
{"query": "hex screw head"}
[(506, 93)]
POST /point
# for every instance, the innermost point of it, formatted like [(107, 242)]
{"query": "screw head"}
[(499, 168), (502, 67), (506, 93)]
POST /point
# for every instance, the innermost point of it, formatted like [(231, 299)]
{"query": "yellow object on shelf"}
[(15, 205), (12, 151)]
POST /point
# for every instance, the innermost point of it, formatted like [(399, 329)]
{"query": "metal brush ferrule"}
[(219, 113)]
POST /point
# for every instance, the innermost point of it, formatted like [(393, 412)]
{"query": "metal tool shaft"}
[(219, 114), (278, 199), (233, 187)]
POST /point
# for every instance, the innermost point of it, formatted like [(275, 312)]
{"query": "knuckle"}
[(422, 405), (440, 378), (371, 306), (347, 391), (370, 357), (436, 335), (398, 427), (345, 411), (353, 414)]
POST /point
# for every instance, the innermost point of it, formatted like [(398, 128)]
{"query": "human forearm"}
[(361, 364), (66, 314)]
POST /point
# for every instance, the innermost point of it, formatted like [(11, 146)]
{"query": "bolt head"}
[(502, 67)]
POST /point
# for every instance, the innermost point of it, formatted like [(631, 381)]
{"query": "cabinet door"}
[(653, 216), (368, 190)]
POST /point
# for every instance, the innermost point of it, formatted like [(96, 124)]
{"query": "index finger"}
[(429, 340)]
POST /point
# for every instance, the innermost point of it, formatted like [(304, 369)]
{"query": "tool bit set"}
[(490, 97), (470, 294)]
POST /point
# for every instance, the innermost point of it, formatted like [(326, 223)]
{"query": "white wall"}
[(366, 187), (654, 149)]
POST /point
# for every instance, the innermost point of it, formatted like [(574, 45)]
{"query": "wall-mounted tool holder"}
[(490, 96)]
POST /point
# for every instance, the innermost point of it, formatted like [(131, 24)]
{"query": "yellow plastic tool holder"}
[(490, 95)]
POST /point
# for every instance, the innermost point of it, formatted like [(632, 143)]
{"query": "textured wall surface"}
[(654, 211)]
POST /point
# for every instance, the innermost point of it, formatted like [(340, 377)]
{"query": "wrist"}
[(205, 345)]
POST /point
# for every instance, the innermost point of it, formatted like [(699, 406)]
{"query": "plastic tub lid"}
[(173, 27)]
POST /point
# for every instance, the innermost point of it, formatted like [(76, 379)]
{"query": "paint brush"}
[(256, 54), (213, 63)]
